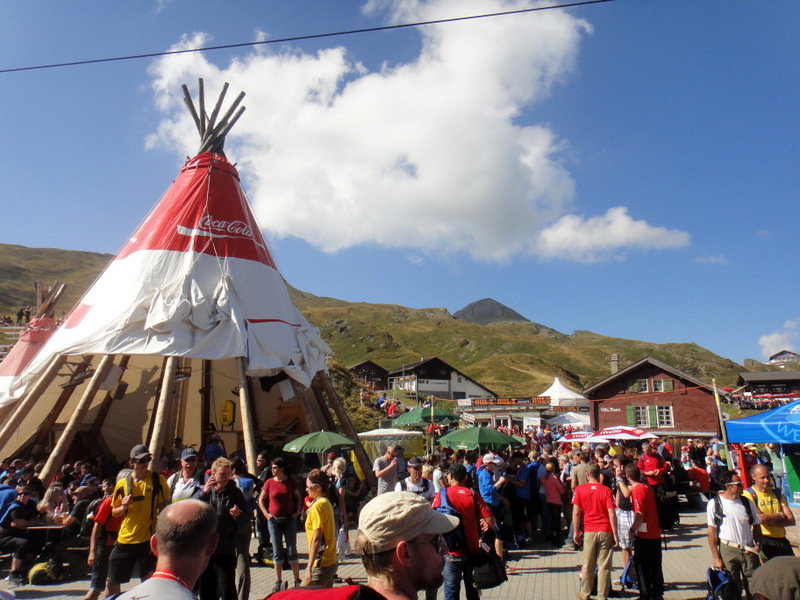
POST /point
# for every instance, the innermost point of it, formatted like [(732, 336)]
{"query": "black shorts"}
[(123, 558), (773, 547)]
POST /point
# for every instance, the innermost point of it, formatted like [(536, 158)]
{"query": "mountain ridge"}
[(509, 354)]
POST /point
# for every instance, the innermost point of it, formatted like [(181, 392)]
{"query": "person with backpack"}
[(415, 482), (474, 516), (773, 512), (733, 533), (188, 482), (646, 534), (138, 497)]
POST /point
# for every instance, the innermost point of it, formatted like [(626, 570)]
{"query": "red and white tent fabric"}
[(16, 362), (197, 280)]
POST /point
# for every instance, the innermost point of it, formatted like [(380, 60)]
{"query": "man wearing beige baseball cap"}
[(401, 545)]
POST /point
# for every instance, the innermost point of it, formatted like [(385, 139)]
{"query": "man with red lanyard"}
[(647, 545), (185, 539), (469, 505)]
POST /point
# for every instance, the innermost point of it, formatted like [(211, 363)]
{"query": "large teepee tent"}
[(191, 311)]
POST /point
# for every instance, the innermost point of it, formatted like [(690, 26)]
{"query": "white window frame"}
[(665, 416), (641, 416), (642, 386)]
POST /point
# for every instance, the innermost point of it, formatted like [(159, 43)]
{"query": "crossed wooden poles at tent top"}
[(212, 135)]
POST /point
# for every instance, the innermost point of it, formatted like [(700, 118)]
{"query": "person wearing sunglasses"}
[(138, 497), (321, 533), (14, 537), (734, 535), (400, 541), (188, 482)]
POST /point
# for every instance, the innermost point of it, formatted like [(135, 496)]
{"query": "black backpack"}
[(719, 514), (88, 520), (425, 485)]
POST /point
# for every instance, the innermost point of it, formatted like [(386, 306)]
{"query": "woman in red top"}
[(280, 503)]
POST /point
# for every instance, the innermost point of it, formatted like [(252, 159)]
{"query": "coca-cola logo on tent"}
[(231, 228)]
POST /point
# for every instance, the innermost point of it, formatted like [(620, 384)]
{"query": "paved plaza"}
[(542, 572)]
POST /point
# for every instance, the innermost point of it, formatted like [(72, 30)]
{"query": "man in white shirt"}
[(188, 482), (414, 482), (734, 535)]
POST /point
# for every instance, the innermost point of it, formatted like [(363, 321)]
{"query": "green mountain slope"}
[(514, 358), (21, 266)]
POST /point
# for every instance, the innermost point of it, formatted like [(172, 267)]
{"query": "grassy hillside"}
[(510, 358), (21, 266)]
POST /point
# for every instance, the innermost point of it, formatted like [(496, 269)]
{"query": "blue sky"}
[(628, 168)]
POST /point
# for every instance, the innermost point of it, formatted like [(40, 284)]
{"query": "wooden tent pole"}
[(318, 403), (350, 431), (311, 417), (46, 427), (31, 397), (156, 442), (105, 406), (60, 451), (245, 408)]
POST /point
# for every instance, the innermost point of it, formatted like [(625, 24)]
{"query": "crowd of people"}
[(602, 500)]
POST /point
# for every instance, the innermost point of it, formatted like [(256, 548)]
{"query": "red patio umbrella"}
[(624, 432)]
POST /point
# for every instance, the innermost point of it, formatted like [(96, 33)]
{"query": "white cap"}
[(395, 517), (492, 458)]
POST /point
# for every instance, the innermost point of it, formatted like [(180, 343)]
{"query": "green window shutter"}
[(633, 386), (653, 414), (667, 386), (631, 410)]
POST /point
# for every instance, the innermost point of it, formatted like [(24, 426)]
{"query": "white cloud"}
[(784, 339), (424, 155), (602, 238), (716, 259)]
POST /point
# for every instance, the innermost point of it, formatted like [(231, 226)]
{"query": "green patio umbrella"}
[(474, 437), (422, 416), (320, 441)]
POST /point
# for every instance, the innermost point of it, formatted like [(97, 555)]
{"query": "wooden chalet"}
[(434, 377), (654, 396), (370, 375)]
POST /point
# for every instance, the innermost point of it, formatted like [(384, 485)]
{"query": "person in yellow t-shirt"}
[(138, 507), (774, 513), (321, 531)]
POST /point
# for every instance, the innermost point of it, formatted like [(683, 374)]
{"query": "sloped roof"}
[(652, 361), (410, 367), (767, 376)]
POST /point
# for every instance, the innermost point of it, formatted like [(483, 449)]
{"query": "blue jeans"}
[(285, 531), (456, 567)]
